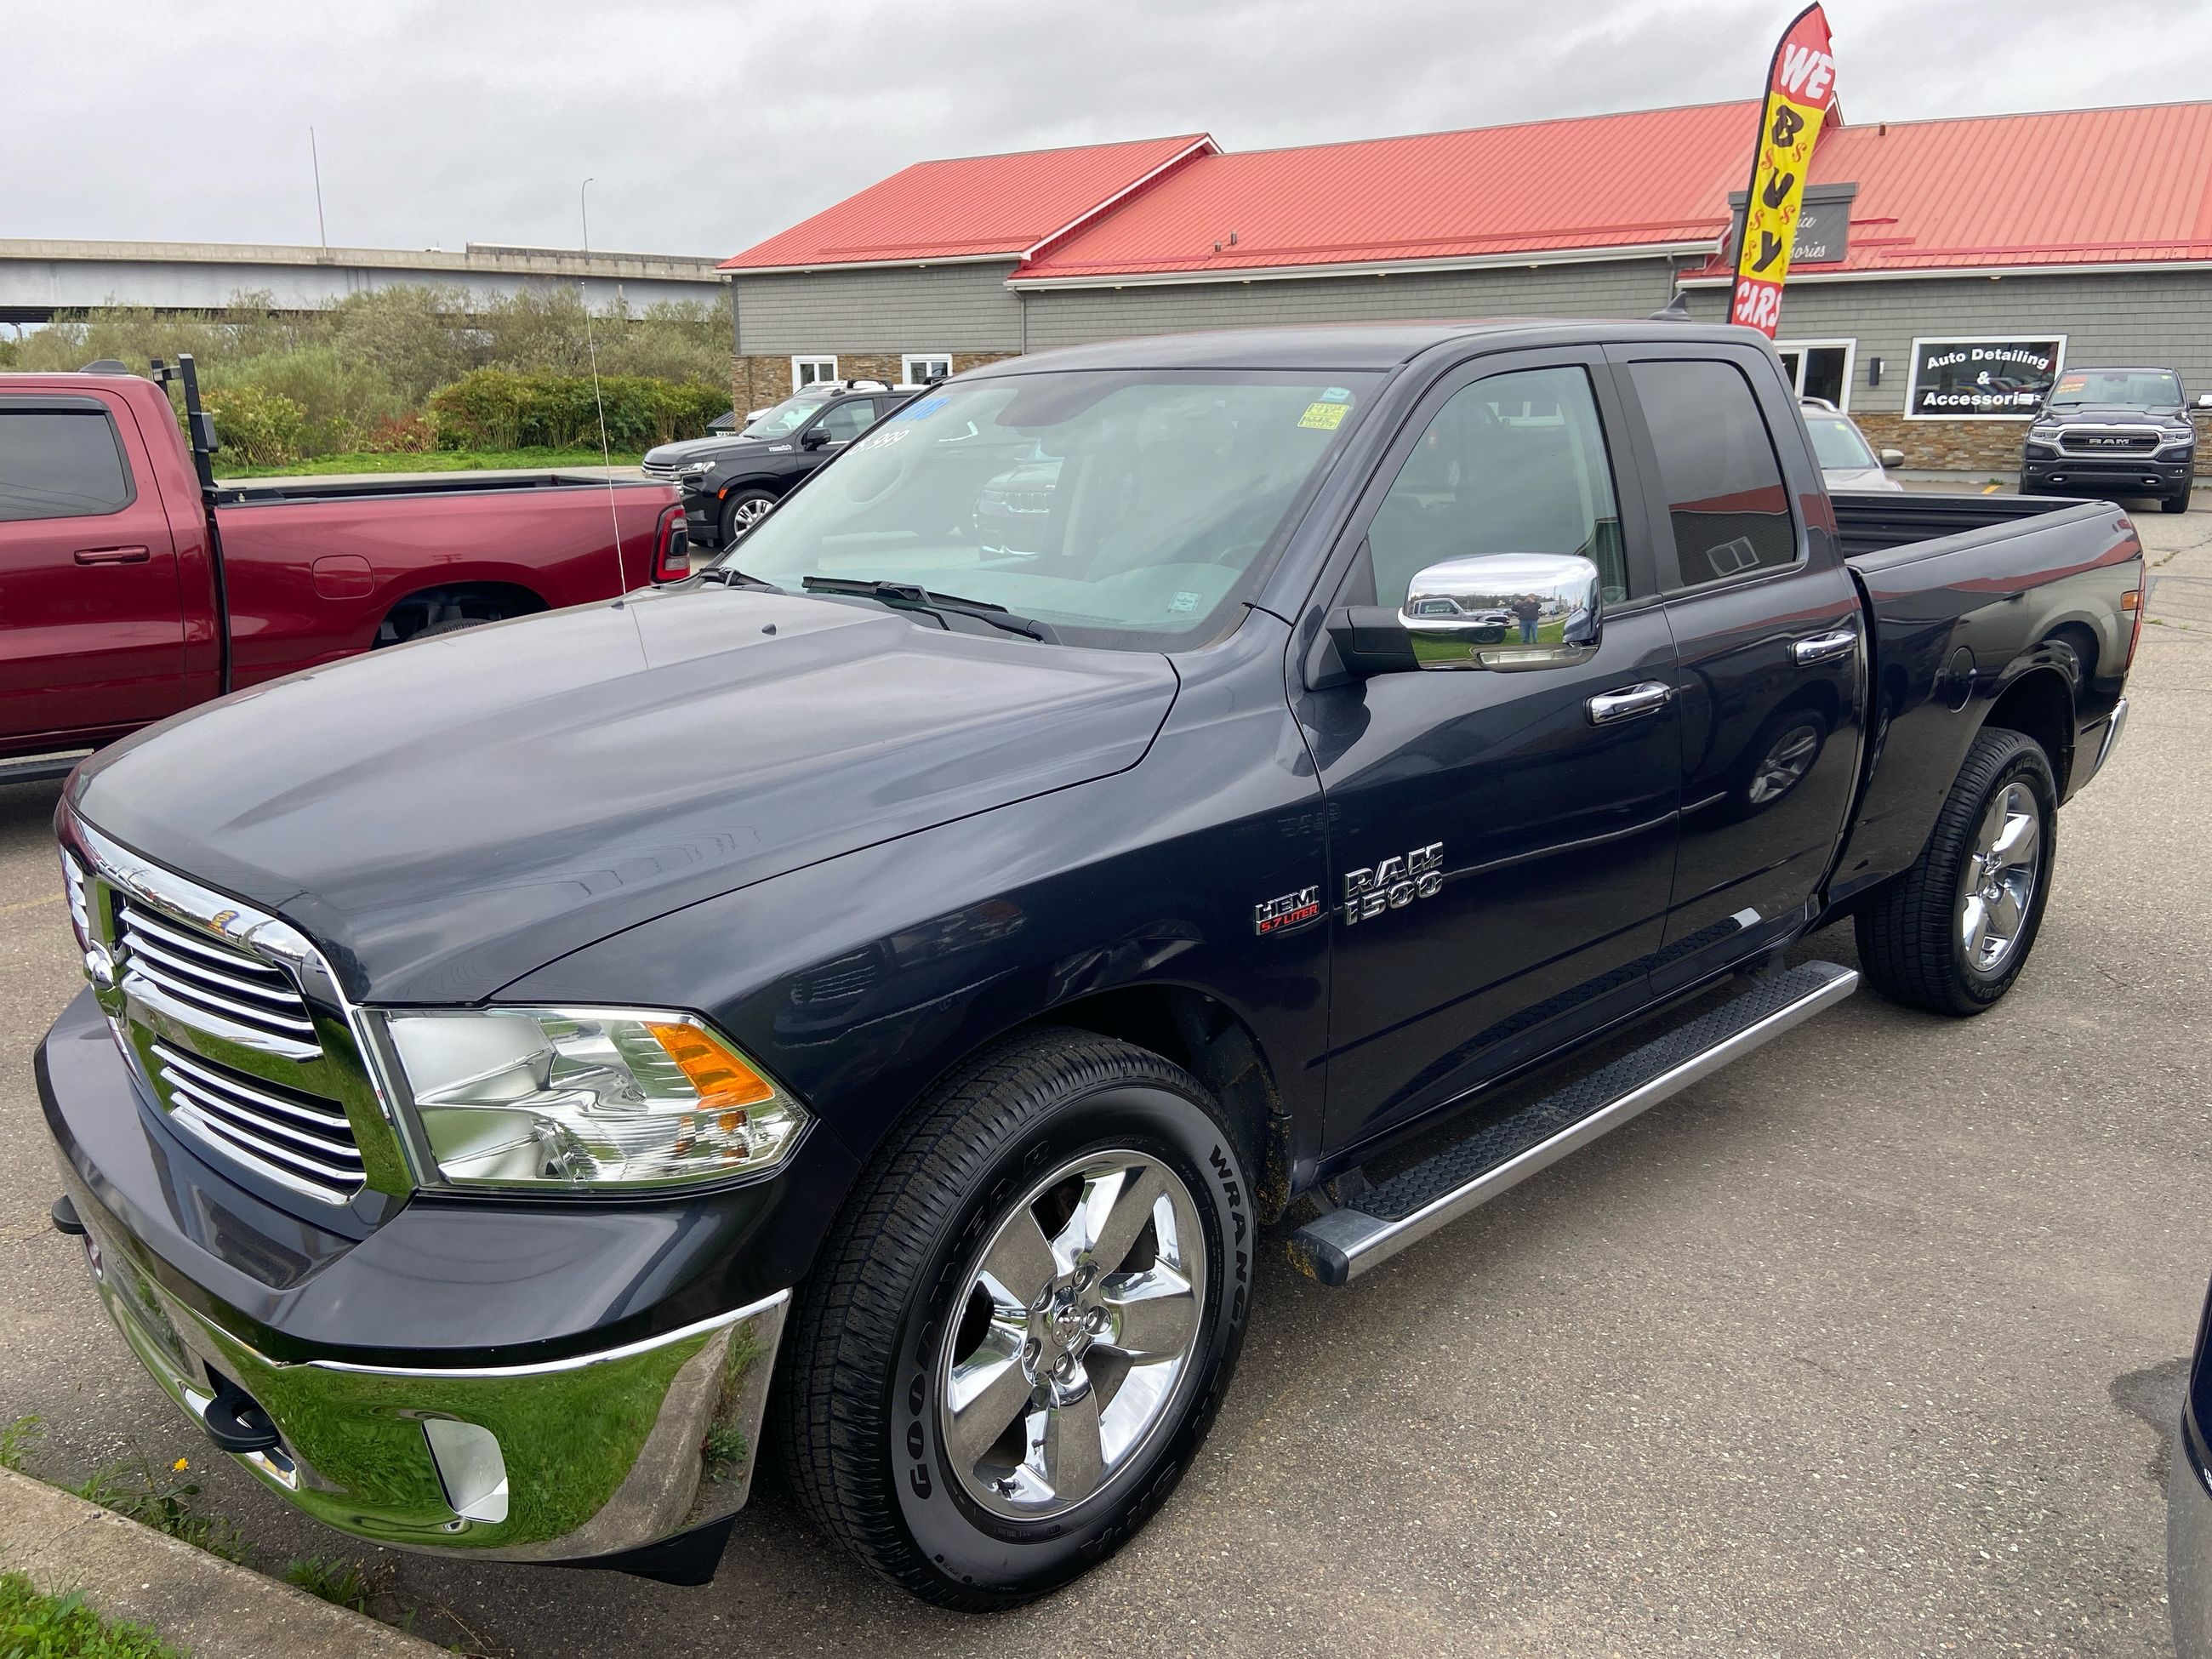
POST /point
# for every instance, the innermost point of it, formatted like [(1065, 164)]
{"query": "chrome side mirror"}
[(2205, 400), (1893, 459), (1506, 611)]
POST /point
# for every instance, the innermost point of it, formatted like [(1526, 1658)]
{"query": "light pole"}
[(584, 211)]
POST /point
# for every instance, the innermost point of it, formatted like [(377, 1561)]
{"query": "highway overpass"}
[(39, 279)]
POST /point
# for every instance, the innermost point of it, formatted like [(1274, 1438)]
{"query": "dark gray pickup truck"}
[(871, 1001)]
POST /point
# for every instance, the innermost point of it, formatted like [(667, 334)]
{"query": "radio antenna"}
[(592, 349)]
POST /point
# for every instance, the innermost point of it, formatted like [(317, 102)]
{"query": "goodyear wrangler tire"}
[(1953, 933), (1016, 1338)]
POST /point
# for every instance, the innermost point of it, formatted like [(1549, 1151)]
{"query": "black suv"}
[(728, 488), (2113, 432)]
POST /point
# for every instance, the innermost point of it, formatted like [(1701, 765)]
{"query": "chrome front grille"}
[(304, 1142), (202, 978), (2089, 442), (664, 471), (235, 1028)]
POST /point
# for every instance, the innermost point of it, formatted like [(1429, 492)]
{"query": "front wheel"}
[(2177, 503), (1952, 935), (743, 511), (1014, 1343)]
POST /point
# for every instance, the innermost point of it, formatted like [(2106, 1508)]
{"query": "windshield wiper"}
[(912, 596), (728, 575)]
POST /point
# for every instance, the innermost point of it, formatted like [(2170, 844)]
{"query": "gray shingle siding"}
[(2160, 317), (903, 308), (2154, 317), (1626, 288)]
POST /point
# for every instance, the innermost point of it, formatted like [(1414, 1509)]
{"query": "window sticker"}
[(921, 409), (1183, 603), (1337, 394), (1324, 416)]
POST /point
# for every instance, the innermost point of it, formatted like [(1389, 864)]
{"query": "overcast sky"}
[(709, 123)]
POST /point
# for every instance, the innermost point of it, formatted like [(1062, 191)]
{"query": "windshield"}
[(788, 417), (1128, 508), (1838, 443), (2132, 388)]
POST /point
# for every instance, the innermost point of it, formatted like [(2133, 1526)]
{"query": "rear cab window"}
[(1719, 474), (60, 464)]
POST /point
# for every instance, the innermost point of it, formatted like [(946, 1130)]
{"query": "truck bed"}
[(457, 483), (1875, 522), (1964, 594)]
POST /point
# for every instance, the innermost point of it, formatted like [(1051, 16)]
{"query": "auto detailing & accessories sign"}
[(1800, 93), (1990, 379)]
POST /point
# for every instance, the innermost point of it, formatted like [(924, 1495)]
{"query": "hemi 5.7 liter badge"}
[(1288, 911)]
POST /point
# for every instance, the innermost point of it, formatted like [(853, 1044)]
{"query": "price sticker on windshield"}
[(1324, 416)]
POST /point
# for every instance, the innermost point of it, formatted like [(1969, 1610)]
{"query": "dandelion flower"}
[(181, 1464)]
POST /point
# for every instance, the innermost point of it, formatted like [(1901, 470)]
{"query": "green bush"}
[(366, 374), (264, 427), (495, 408)]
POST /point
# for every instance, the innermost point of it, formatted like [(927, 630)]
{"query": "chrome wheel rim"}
[(1785, 764), (746, 514), (1999, 881), (1077, 1325)]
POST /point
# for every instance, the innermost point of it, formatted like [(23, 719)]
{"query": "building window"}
[(1821, 368), (1987, 379), (920, 368), (808, 371)]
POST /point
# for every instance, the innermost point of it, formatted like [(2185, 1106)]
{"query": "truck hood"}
[(443, 817), (2114, 415), (701, 449)]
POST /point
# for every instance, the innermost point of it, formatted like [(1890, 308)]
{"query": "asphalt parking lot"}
[(1868, 1345)]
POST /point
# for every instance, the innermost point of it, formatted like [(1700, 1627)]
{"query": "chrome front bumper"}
[(565, 1460)]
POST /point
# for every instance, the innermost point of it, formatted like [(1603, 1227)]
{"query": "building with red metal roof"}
[(2085, 234)]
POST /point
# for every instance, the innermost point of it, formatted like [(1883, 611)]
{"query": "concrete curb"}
[(213, 1607)]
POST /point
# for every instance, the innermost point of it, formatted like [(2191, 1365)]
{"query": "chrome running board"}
[(1341, 1245)]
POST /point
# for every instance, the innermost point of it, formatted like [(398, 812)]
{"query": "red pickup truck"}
[(133, 586)]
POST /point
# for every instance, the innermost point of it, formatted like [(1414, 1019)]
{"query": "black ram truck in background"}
[(912, 966), (2113, 432)]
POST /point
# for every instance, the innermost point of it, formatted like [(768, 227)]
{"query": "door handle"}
[(1628, 703), (113, 554), (1824, 647)]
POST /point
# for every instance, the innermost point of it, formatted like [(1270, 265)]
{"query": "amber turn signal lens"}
[(723, 1080), (2131, 598)]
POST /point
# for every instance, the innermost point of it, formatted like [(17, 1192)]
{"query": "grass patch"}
[(342, 1583), (17, 1439), (33, 1626), (163, 1499), (436, 460)]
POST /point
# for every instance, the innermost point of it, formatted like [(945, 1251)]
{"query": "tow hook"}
[(235, 1421)]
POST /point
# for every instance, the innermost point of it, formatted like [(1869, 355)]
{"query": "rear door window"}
[(1718, 470), (60, 464)]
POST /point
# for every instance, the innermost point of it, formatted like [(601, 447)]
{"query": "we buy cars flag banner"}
[(1800, 93)]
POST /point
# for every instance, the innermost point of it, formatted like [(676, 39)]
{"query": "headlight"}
[(587, 1098)]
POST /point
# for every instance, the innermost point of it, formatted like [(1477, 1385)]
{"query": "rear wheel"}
[(743, 511), (1010, 1349), (1952, 935)]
